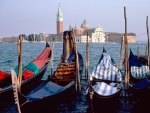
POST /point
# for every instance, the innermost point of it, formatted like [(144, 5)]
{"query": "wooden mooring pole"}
[(19, 62), (87, 57), (138, 51), (120, 64), (87, 74), (19, 80), (52, 58), (126, 52), (148, 41), (146, 51), (78, 81)]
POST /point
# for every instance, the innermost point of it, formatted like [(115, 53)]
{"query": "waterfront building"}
[(96, 35), (117, 37), (41, 37), (131, 37), (84, 38)]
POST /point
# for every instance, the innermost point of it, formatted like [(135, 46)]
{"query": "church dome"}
[(84, 25), (78, 30)]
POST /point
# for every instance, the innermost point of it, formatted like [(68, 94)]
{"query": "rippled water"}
[(78, 103)]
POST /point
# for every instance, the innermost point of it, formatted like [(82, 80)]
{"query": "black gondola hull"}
[(7, 93), (139, 93), (105, 104), (49, 103)]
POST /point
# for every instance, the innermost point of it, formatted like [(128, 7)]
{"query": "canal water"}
[(77, 103)]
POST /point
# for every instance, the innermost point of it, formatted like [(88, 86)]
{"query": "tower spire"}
[(59, 11), (59, 20)]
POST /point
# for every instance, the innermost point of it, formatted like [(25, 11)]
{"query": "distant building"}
[(9, 39), (84, 38), (1, 40), (84, 25), (57, 37), (96, 35), (117, 37), (59, 21), (80, 30), (131, 37)]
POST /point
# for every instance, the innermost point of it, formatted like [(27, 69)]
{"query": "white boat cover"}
[(105, 70), (104, 89), (140, 72)]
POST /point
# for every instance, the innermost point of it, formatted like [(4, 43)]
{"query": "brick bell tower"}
[(59, 21)]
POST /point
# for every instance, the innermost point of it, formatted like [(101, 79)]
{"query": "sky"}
[(39, 16)]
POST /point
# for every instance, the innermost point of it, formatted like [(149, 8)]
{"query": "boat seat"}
[(63, 73)]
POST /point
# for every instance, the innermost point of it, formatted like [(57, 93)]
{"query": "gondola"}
[(105, 81), (56, 87), (32, 72), (139, 81)]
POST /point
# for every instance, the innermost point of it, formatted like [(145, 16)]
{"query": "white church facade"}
[(96, 35)]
